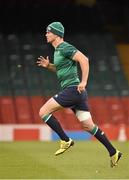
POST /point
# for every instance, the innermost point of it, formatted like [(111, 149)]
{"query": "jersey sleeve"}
[(69, 51)]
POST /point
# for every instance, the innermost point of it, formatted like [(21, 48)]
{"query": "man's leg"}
[(113, 152), (88, 125), (54, 124), (45, 113)]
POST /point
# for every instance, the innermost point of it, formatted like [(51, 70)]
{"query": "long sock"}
[(99, 134), (55, 126)]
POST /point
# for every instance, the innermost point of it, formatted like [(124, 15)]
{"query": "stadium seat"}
[(99, 110), (125, 102), (123, 50), (116, 110), (36, 104), (2, 44), (23, 110), (7, 112), (16, 75), (12, 44), (5, 82)]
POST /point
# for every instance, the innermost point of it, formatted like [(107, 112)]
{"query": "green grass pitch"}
[(85, 160)]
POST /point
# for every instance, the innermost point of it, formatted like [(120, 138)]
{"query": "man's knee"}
[(88, 125), (44, 115), (83, 115), (41, 112), (86, 120)]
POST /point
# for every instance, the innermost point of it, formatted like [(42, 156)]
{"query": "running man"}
[(73, 94)]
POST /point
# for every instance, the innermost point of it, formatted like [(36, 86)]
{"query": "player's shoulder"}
[(67, 49), (65, 45)]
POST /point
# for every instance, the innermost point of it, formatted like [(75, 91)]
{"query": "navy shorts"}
[(71, 98)]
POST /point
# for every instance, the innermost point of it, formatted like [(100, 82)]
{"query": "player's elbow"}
[(86, 58)]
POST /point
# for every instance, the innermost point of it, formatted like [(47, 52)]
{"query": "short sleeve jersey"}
[(66, 68)]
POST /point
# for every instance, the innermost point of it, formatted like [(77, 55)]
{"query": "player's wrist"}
[(48, 66)]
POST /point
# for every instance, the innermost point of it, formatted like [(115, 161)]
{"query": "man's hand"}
[(81, 87), (44, 62)]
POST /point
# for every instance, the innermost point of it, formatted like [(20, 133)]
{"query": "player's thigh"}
[(50, 106)]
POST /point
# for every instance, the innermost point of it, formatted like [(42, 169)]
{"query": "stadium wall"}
[(31, 132)]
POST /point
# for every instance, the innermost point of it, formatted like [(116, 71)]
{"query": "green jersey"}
[(66, 68)]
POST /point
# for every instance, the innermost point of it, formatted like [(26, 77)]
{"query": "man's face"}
[(50, 37)]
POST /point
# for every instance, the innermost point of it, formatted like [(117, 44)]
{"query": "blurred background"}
[(100, 29)]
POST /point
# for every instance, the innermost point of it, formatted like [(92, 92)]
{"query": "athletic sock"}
[(99, 134), (55, 125)]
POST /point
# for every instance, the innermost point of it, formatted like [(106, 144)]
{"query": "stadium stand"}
[(24, 87), (28, 83)]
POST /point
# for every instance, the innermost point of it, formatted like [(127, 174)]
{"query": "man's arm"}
[(51, 67), (84, 64), (44, 62)]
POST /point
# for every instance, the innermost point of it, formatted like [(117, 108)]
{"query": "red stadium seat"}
[(116, 110), (99, 110), (36, 104), (23, 110), (8, 115), (125, 102)]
